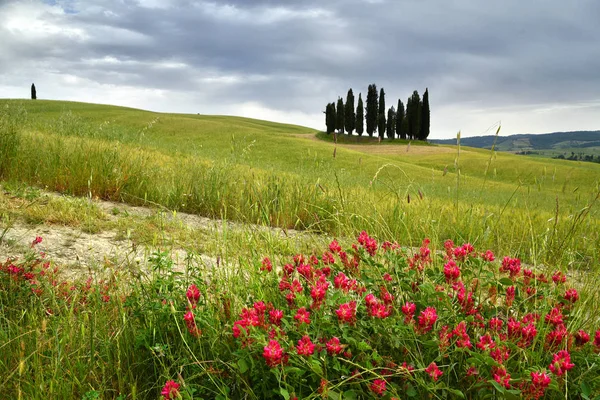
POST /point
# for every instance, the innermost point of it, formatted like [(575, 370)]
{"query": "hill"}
[(549, 144)]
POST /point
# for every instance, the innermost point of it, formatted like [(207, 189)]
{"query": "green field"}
[(123, 335), (281, 175)]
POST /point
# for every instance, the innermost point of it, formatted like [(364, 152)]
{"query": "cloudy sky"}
[(532, 65)]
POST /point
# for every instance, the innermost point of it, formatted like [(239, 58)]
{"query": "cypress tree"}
[(339, 117), (381, 114), (349, 116), (414, 125), (425, 116), (33, 92), (360, 116), (330, 117), (400, 120), (391, 123), (371, 109)]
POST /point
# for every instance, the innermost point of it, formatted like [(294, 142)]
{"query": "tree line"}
[(412, 122)]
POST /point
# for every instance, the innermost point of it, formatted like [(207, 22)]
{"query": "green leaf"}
[(506, 282), (585, 390), (363, 346), (411, 391), (242, 365), (284, 393), (497, 386), (350, 395), (456, 392), (334, 395), (316, 367)]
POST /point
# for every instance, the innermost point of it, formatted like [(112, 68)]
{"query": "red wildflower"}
[(266, 265), (306, 271), (328, 258), (305, 346), (451, 271), (387, 277), (368, 243), (288, 269), (275, 316), (554, 317), (501, 376), (597, 338), (539, 382), (463, 337), (495, 324), (427, 319), (347, 312), (334, 347), (341, 281), (193, 294), (273, 353), (335, 247), (190, 322), (558, 277), (510, 295), (319, 291), (170, 390), (582, 337), (37, 240), (408, 309), (433, 371), (561, 363), (379, 310), (571, 295), (302, 316), (488, 256), (528, 333), (556, 337), (500, 354), (486, 342), (296, 286), (378, 386)]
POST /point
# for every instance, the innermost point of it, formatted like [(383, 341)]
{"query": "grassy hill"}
[(549, 144), (283, 175)]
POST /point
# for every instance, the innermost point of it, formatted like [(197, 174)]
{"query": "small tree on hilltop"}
[(391, 123), (425, 116), (371, 109), (360, 116), (349, 115), (339, 120), (33, 92), (400, 120), (381, 114), (330, 117)]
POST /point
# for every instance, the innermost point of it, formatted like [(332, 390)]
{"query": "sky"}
[(529, 66)]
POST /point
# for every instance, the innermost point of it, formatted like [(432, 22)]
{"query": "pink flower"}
[(328, 258), (554, 317), (37, 240), (582, 337), (387, 277), (170, 390), (379, 310), (427, 319), (511, 265), (305, 346), (597, 338), (193, 294), (347, 312), (571, 295), (510, 295), (500, 354), (333, 346), (486, 342), (275, 316), (433, 371), (266, 265), (463, 337), (335, 247), (273, 353), (319, 291), (561, 363), (558, 277), (378, 386), (496, 324), (451, 271), (501, 376), (368, 243), (190, 322), (302, 316), (488, 256), (341, 281), (539, 382)]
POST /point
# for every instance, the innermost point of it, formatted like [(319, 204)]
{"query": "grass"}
[(259, 175)]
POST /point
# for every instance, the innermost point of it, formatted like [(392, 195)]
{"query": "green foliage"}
[(330, 117), (33, 92), (425, 117), (413, 115), (340, 115), (381, 123), (391, 123), (349, 116), (12, 117), (372, 109), (400, 124), (360, 116)]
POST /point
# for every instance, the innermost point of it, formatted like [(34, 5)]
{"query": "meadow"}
[(129, 333)]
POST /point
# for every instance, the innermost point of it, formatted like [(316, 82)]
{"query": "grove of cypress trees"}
[(425, 116), (339, 115), (414, 123), (33, 92), (381, 114), (371, 109), (360, 116), (400, 120), (349, 116), (391, 123)]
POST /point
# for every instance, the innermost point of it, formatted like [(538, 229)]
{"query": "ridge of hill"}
[(556, 142)]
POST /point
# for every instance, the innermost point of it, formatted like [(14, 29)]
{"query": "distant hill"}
[(549, 143)]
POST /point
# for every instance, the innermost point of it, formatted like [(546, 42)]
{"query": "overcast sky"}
[(532, 65)]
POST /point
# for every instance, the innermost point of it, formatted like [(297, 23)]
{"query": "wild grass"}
[(72, 342)]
